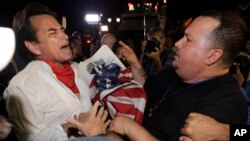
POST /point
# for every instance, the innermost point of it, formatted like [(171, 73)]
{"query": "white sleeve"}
[(25, 112)]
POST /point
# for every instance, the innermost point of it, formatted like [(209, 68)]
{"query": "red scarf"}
[(65, 74)]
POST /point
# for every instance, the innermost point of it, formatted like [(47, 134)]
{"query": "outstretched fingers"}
[(74, 122), (94, 110)]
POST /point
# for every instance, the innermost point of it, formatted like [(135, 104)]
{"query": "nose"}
[(177, 43), (64, 35)]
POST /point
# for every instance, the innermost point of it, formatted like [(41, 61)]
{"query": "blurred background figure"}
[(108, 39), (248, 43), (156, 52), (240, 69), (76, 46), (7, 49)]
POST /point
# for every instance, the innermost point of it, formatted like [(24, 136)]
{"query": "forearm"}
[(128, 54), (201, 127), (138, 72), (158, 64), (138, 133), (222, 133)]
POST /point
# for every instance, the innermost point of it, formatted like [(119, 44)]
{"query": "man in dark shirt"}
[(200, 81)]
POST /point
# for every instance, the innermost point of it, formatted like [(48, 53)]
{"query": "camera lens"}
[(151, 45)]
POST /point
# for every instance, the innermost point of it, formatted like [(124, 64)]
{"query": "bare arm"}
[(155, 57), (199, 127), (126, 53), (134, 131)]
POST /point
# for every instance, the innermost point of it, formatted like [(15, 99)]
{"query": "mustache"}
[(175, 50), (171, 57)]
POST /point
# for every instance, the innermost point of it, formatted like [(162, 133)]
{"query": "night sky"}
[(75, 10)]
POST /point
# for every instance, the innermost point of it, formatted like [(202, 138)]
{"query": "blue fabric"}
[(106, 77), (246, 93)]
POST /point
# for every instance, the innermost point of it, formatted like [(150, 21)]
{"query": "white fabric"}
[(116, 90), (38, 103)]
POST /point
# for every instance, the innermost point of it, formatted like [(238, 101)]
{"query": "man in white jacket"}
[(48, 91)]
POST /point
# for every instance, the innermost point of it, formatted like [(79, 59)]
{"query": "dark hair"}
[(155, 31), (228, 35), (76, 35), (23, 28)]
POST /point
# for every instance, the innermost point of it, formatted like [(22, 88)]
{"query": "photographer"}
[(156, 54)]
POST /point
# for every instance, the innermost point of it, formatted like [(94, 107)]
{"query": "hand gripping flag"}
[(113, 84)]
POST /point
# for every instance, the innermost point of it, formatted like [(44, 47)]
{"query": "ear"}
[(214, 56), (33, 47)]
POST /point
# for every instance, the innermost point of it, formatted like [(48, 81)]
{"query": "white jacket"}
[(38, 103)]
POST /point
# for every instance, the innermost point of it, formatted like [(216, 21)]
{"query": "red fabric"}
[(128, 100), (65, 74), (125, 78)]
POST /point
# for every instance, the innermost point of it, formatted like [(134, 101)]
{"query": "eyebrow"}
[(55, 29)]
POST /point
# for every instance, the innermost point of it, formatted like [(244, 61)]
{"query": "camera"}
[(151, 45), (233, 68)]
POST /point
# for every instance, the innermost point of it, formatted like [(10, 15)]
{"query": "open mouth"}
[(65, 47), (171, 57)]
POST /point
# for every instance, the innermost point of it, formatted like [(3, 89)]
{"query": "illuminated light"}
[(148, 4), (131, 7), (101, 15), (64, 22), (7, 46), (87, 39), (109, 20), (164, 1), (156, 7), (118, 20), (104, 28), (92, 18), (88, 42)]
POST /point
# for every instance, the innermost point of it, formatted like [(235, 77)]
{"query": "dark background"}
[(75, 10)]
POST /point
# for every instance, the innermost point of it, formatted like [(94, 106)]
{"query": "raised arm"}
[(127, 53)]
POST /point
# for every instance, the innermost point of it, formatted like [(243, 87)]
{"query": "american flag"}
[(118, 92)]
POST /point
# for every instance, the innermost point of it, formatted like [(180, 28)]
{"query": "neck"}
[(60, 64), (206, 77)]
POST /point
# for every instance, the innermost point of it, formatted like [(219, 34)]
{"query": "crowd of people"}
[(188, 83)]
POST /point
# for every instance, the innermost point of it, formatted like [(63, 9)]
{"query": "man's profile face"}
[(52, 41), (193, 48)]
